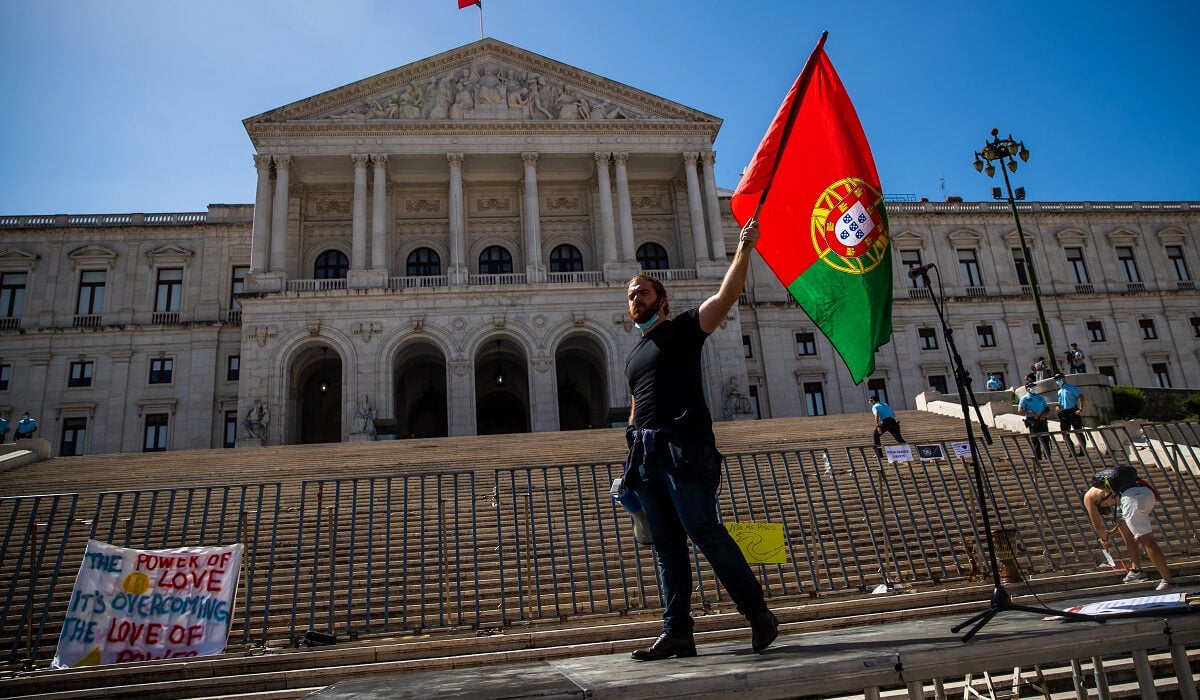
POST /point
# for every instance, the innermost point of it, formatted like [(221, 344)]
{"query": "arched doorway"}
[(319, 384), (580, 380), (501, 389), (420, 405)]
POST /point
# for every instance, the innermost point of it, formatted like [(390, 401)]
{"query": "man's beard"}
[(645, 313)]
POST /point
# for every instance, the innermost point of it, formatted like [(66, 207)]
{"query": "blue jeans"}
[(681, 508)]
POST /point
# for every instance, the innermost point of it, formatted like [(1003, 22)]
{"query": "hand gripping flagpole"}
[(1001, 599)]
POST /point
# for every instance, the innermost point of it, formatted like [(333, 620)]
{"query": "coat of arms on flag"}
[(926, 452)]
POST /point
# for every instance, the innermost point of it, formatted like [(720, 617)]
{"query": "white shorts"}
[(1136, 504)]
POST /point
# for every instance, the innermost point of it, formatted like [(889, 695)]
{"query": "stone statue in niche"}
[(736, 403), (258, 421), (364, 417)]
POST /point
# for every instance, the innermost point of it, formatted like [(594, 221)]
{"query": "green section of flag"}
[(853, 311)]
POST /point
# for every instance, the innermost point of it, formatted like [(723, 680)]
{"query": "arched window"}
[(331, 265), (423, 262), (566, 258), (652, 256), (495, 260)]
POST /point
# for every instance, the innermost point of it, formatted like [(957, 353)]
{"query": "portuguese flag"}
[(463, 4), (812, 185)]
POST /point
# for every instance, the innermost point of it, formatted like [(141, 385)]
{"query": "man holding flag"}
[(824, 227)]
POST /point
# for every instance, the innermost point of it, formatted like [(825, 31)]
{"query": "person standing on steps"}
[(674, 467), (885, 422), (1070, 411)]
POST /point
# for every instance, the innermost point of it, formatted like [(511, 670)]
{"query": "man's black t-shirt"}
[(664, 374)]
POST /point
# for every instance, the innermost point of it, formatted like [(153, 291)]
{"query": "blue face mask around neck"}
[(650, 322)]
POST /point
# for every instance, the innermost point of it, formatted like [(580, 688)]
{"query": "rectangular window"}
[(156, 432), (999, 377), (80, 374), (1018, 257), (231, 424), (1095, 331), (987, 336), (927, 338), (1110, 372), (74, 437), (233, 366), (161, 370), (1077, 266), (806, 344), (1128, 264), (908, 260), (1178, 264), (878, 389), (169, 291), (1159, 370), (12, 294), (754, 408), (968, 264), (5, 375), (91, 292), (237, 285), (1038, 339), (814, 398), (747, 349), (937, 382), (1149, 332)]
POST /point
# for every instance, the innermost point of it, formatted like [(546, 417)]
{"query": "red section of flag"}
[(468, 3), (814, 141)]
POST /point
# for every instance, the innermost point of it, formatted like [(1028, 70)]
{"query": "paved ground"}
[(797, 665)]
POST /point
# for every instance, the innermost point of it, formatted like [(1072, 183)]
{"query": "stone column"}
[(378, 212), (261, 228), (716, 233), (624, 207), (458, 233), (607, 230), (695, 209), (279, 214), (358, 227), (533, 222)]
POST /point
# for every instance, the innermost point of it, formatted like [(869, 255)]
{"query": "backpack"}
[(1116, 479)]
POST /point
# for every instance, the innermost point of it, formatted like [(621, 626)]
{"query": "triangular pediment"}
[(479, 84)]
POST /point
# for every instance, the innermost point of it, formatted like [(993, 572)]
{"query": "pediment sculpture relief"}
[(487, 90)]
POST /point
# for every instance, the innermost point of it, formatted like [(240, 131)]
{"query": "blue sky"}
[(136, 105)]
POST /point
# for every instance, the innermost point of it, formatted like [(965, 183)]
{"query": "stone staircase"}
[(275, 669)]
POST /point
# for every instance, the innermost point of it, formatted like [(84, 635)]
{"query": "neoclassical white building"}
[(442, 249)]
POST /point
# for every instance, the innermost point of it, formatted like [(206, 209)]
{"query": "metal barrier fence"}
[(433, 550)]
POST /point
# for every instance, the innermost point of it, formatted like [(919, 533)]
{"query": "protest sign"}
[(138, 604), (761, 543)]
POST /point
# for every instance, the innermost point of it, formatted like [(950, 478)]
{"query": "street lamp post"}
[(1005, 152)]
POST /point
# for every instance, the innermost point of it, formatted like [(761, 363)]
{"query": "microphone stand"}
[(1001, 599)]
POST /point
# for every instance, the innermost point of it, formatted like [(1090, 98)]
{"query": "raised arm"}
[(715, 308)]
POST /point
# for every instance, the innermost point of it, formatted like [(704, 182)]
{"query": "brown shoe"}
[(764, 628), (666, 646)]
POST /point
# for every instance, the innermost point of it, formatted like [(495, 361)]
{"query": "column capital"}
[(359, 159), (262, 162), (690, 158), (283, 162), (620, 158), (708, 157), (601, 158), (529, 158), (379, 159), (454, 158)]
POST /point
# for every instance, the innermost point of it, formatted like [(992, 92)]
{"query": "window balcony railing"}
[(674, 275), (1084, 289), (86, 321), (1185, 284), (1135, 287), (316, 285), (418, 281), (497, 279), (976, 291), (1027, 290), (581, 277), (919, 293), (10, 323), (164, 318), (233, 316)]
